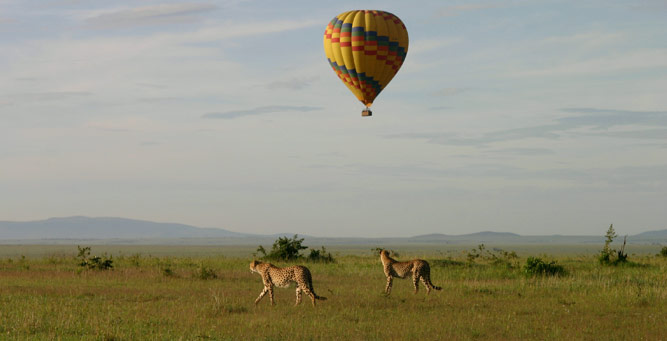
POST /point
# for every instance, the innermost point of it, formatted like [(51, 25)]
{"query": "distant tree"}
[(663, 251), (288, 249), (609, 256), (284, 248)]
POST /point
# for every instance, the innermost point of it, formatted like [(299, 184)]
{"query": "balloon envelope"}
[(366, 48)]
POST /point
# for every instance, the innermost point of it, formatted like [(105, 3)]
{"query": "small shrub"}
[(446, 263), (204, 272), (473, 254), (23, 263), (168, 272), (663, 251), (55, 259), (536, 266), (95, 263), (609, 256), (165, 267), (502, 257), (321, 256), (494, 257), (135, 260)]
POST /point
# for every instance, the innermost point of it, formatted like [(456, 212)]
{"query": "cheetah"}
[(282, 277), (418, 267)]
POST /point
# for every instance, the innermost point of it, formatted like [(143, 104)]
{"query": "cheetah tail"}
[(311, 291), (433, 286)]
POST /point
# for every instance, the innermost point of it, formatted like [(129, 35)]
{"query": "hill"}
[(105, 228), (652, 234), (109, 230)]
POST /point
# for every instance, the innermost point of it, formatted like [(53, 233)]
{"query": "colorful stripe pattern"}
[(366, 48)]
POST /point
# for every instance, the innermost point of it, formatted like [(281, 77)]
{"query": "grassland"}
[(157, 295)]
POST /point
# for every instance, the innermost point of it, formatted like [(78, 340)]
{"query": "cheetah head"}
[(253, 266)]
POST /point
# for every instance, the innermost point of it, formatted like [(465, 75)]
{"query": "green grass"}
[(49, 297)]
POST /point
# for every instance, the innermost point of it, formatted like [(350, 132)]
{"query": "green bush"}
[(537, 267), (289, 249), (663, 251), (321, 256), (135, 260), (204, 272), (283, 249), (166, 267), (494, 257), (94, 263), (609, 256), (168, 272), (446, 262)]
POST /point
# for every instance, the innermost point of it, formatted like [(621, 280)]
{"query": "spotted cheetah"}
[(418, 267), (282, 277)]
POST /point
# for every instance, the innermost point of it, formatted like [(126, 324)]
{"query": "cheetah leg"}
[(415, 282), (426, 284), (387, 289), (261, 295), (310, 293), (271, 295), (298, 296)]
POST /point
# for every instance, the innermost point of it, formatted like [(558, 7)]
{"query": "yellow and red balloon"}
[(366, 48)]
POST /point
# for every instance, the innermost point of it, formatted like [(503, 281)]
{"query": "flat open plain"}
[(162, 292)]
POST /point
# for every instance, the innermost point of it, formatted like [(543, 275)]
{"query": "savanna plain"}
[(190, 293)]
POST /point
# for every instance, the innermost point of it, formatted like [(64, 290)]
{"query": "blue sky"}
[(533, 117)]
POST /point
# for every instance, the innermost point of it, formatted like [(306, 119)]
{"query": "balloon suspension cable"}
[(366, 112)]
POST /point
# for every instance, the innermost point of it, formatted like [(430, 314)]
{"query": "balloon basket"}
[(366, 112)]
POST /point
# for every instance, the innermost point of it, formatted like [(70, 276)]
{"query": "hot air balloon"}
[(366, 48)]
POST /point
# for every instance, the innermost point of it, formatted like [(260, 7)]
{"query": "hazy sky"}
[(533, 117)]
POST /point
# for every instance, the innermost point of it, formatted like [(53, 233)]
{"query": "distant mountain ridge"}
[(123, 230), (79, 227), (476, 234), (653, 234)]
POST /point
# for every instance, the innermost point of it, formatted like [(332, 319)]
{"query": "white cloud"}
[(149, 15), (581, 124), (585, 39), (460, 9), (123, 124), (448, 92), (115, 68), (236, 29), (293, 83), (47, 96), (260, 111), (423, 46), (635, 60), (650, 5)]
